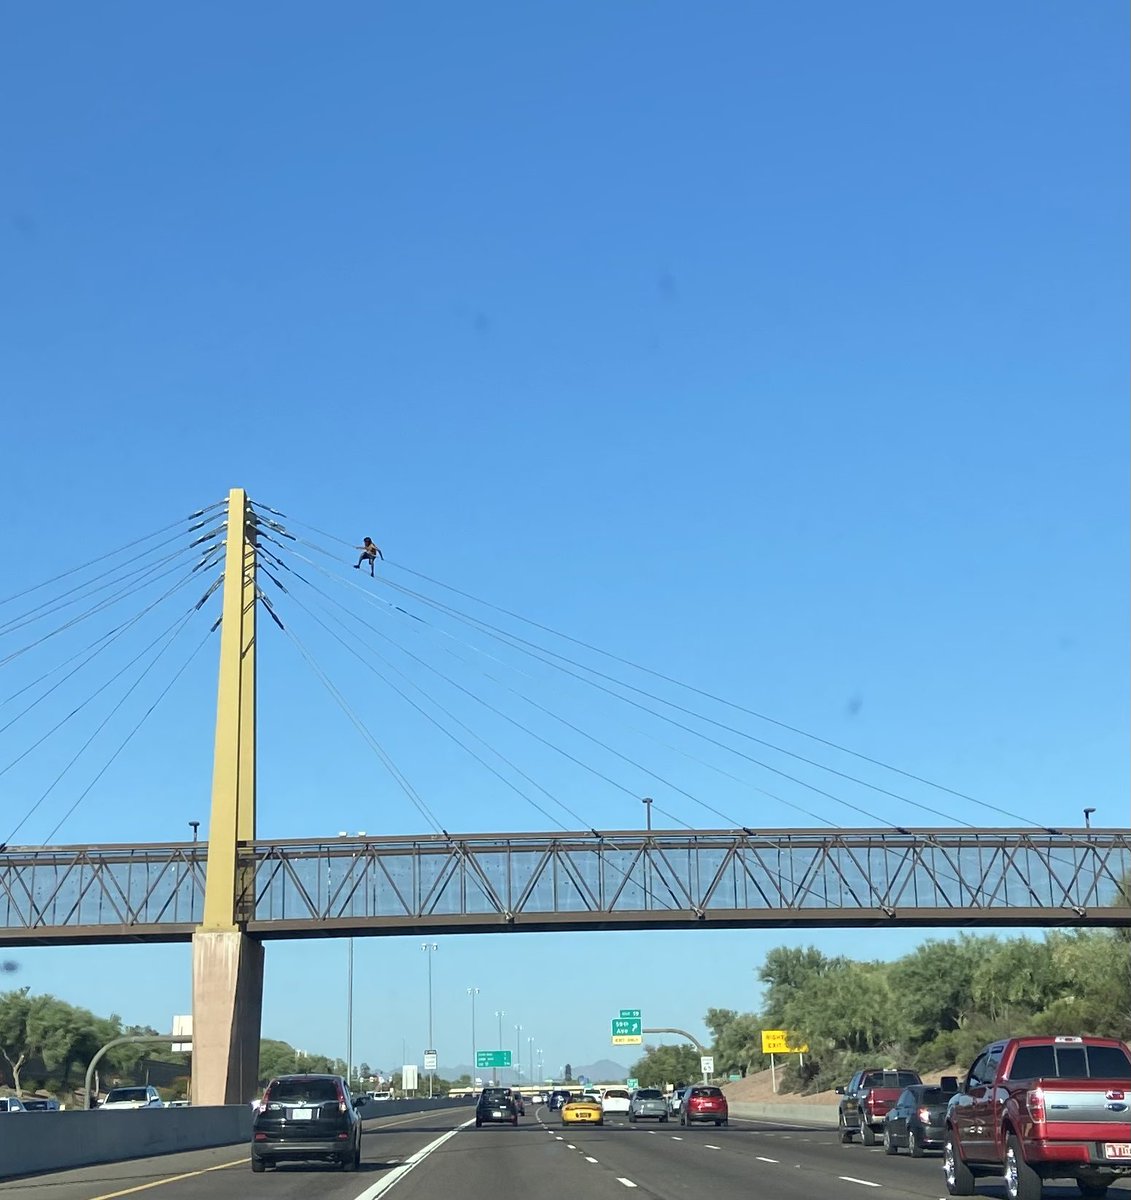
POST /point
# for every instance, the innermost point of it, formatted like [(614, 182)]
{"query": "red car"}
[(701, 1102)]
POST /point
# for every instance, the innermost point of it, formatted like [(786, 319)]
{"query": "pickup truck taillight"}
[(1035, 1102), (925, 1116)]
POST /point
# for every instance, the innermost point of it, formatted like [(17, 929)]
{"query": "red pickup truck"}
[(1037, 1108), (866, 1099)]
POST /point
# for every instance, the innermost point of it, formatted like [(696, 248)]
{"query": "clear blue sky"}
[(780, 347)]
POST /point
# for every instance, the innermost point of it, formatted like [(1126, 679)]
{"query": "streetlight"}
[(349, 985), (517, 1052), (195, 827), (530, 1058), (499, 1015), (473, 992), (430, 948), (1088, 817)]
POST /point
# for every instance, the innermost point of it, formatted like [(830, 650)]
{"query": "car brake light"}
[(260, 1137), (925, 1116), (1035, 1102)]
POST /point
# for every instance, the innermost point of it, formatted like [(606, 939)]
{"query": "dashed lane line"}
[(708, 1146), (761, 1159), (398, 1173), (862, 1182), (626, 1182), (588, 1159)]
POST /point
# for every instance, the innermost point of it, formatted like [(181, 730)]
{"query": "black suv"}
[(496, 1104), (304, 1117)]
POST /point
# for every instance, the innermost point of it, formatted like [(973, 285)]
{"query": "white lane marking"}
[(676, 1139), (626, 1182), (862, 1182), (398, 1173), (761, 1159), (588, 1159), (708, 1146), (570, 1146)]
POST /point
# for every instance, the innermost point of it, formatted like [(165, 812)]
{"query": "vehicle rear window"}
[(302, 1091), (135, 1093), (1070, 1062), (616, 1093), (494, 1095), (706, 1091), (890, 1079), (935, 1095), (649, 1094)]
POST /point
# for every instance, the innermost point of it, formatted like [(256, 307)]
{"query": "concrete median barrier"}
[(32, 1143), (55, 1141), (791, 1114)]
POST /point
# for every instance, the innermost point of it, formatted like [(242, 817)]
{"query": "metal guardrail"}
[(617, 879)]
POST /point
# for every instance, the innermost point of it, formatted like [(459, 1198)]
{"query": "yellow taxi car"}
[(582, 1110)]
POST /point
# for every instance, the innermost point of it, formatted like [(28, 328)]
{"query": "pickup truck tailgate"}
[(1107, 1106)]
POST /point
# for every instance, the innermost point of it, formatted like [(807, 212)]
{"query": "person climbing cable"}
[(370, 552)]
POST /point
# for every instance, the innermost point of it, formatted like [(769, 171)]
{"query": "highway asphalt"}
[(430, 1155)]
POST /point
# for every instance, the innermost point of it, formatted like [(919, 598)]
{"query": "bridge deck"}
[(486, 883)]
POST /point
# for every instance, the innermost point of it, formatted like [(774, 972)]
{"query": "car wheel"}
[(867, 1134), (258, 1166), (915, 1143), (663, 1120), (959, 1178), (681, 1120), (843, 1132), (478, 1123), (1021, 1181), (718, 1124), (349, 1163), (515, 1121), (1094, 1187), (889, 1142)]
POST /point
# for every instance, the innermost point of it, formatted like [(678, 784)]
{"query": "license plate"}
[(1117, 1149), (301, 1114)]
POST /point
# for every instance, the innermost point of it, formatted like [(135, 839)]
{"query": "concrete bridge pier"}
[(227, 1005)]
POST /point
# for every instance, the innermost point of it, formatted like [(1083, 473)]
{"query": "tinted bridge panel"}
[(528, 881)]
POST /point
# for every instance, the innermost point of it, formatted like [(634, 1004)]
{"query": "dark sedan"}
[(496, 1106), (558, 1097), (306, 1117), (917, 1119)]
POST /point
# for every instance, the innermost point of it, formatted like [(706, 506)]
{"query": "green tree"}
[(15, 1042), (737, 1039), (786, 972), (849, 1006), (666, 1064)]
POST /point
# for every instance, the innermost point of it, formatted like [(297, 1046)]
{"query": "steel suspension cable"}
[(97, 692), (129, 736), (169, 636), (112, 553)]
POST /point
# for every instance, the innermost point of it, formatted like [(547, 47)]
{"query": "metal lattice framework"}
[(528, 881)]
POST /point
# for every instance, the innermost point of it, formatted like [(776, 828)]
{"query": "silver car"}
[(647, 1102)]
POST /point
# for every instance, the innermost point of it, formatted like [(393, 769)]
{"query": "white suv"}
[(133, 1097)]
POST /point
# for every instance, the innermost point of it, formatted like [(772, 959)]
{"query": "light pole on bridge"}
[(473, 992), (499, 1015), (430, 948)]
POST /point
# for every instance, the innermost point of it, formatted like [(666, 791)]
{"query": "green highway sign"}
[(633, 1083), (630, 1012), (492, 1058), (626, 1026)]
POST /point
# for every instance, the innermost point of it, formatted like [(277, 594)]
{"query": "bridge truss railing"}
[(625, 879)]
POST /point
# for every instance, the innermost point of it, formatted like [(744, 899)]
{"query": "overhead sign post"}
[(779, 1041), (626, 1031)]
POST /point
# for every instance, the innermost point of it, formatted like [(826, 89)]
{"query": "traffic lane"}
[(820, 1142), (508, 1161), (225, 1171)]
